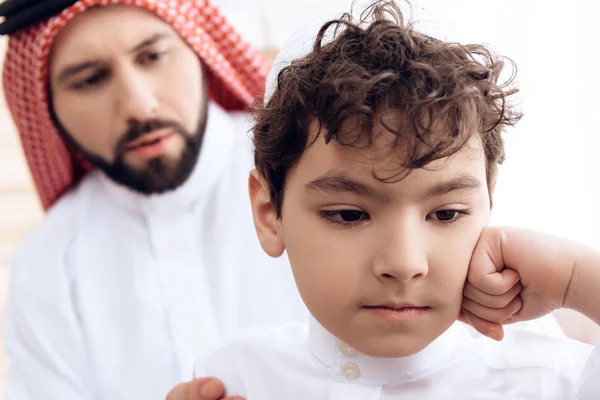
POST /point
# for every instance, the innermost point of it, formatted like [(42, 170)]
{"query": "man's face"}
[(131, 94), (380, 265)]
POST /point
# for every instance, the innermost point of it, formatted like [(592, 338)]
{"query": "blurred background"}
[(551, 178)]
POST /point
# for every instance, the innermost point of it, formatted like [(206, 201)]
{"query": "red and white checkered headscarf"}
[(237, 74)]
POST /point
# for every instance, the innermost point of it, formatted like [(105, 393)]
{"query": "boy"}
[(376, 158)]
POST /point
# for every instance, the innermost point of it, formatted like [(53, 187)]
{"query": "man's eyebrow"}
[(157, 37), (70, 70), (464, 182), (335, 182)]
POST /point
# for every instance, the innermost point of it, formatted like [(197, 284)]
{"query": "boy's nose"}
[(403, 257)]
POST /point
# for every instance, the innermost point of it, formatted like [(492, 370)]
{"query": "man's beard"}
[(160, 174)]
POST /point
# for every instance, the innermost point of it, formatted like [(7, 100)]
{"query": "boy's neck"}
[(346, 364)]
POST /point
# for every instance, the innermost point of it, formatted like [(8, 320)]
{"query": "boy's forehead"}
[(382, 160)]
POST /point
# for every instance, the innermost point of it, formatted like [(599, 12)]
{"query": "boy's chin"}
[(402, 347), (405, 350)]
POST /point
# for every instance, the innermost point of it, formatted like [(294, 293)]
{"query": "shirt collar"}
[(217, 145), (345, 364)]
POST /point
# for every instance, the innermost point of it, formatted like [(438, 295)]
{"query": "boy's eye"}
[(344, 217), (447, 215)]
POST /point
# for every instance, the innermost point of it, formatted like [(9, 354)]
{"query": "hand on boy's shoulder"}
[(249, 352), (517, 275)]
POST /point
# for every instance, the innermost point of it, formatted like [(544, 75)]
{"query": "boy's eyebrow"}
[(335, 182), (462, 182)]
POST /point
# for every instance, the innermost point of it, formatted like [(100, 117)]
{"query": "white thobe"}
[(304, 361), (115, 293)]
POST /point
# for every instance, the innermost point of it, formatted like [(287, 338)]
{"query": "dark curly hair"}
[(431, 94)]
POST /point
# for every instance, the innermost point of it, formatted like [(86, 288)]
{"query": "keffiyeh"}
[(237, 74)]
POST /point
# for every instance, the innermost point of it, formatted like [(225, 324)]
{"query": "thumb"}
[(487, 271), (490, 329)]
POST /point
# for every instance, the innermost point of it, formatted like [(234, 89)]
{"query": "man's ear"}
[(266, 223)]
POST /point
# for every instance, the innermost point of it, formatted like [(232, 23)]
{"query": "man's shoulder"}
[(58, 228), (277, 338), (243, 123), (258, 362), (253, 347)]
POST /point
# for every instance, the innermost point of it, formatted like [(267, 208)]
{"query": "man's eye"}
[(344, 217), (91, 81), (152, 57)]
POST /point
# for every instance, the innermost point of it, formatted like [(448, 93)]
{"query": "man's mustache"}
[(138, 129)]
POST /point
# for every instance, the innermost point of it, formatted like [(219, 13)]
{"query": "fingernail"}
[(209, 390)]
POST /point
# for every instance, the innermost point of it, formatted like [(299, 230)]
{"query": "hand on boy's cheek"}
[(491, 295), (516, 275)]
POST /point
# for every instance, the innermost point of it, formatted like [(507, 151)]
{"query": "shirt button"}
[(347, 351), (350, 371)]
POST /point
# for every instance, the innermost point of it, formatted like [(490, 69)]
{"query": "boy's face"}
[(380, 265)]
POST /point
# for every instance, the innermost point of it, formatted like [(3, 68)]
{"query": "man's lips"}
[(149, 139)]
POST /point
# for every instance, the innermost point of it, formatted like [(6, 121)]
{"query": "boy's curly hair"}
[(437, 94)]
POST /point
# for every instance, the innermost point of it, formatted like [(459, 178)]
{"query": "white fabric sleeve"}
[(43, 337), (588, 386)]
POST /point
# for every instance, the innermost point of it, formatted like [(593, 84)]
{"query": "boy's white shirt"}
[(304, 361)]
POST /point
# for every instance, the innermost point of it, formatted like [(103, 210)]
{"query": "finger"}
[(495, 283), (490, 329), (487, 270), (198, 389), (512, 320), (491, 301), (487, 256), (463, 318), (492, 314), (185, 391), (180, 392), (209, 389)]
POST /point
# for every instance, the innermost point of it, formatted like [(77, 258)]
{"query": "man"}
[(129, 119)]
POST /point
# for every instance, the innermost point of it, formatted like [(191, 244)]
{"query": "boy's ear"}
[(492, 187), (266, 223)]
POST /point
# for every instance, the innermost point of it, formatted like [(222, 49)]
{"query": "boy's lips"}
[(397, 305), (396, 312)]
